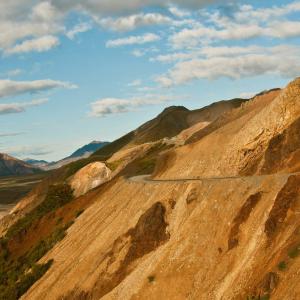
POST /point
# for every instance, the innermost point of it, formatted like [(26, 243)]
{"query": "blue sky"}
[(76, 71)]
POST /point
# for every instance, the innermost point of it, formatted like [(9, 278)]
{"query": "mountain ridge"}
[(10, 166)]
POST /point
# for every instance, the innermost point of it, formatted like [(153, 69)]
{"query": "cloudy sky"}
[(73, 71)]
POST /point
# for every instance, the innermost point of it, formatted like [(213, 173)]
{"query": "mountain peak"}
[(173, 108)]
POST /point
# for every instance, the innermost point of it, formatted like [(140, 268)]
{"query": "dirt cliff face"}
[(240, 142), (218, 220), (200, 240)]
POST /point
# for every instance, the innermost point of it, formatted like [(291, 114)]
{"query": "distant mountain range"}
[(36, 163), (82, 152), (88, 149), (10, 166)]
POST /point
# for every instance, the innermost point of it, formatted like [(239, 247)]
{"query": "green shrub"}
[(151, 278), (282, 266), (146, 166), (57, 196), (113, 165), (13, 291), (18, 275), (59, 220)]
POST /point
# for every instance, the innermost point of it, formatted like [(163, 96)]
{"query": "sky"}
[(74, 71)]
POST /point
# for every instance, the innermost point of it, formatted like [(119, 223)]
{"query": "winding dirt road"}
[(148, 179)]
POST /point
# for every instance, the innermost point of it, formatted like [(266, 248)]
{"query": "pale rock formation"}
[(89, 177)]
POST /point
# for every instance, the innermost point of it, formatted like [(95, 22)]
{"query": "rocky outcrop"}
[(89, 177)]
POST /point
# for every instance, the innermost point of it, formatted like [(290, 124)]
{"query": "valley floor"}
[(13, 188)]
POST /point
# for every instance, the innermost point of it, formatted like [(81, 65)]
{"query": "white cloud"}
[(12, 88), (30, 18), (133, 21), (247, 95), (248, 12), (79, 28), (133, 40), (13, 108), (145, 51), (28, 21), (138, 53), (41, 44), (25, 21), (207, 52), (135, 83), (109, 106), (239, 22), (283, 29), (180, 13), (116, 7), (199, 35), (171, 57), (281, 60)]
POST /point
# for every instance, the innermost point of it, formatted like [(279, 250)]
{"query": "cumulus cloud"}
[(109, 106), (133, 21), (41, 44), (27, 20), (21, 21), (120, 6), (180, 13), (12, 88), (29, 25), (188, 38), (207, 52), (248, 12), (239, 22), (281, 60), (133, 40), (79, 28), (13, 108)]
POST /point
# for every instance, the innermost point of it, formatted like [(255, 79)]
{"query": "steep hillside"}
[(208, 211), (192, 240), (12, 166), (246, 131), (172, 121)]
